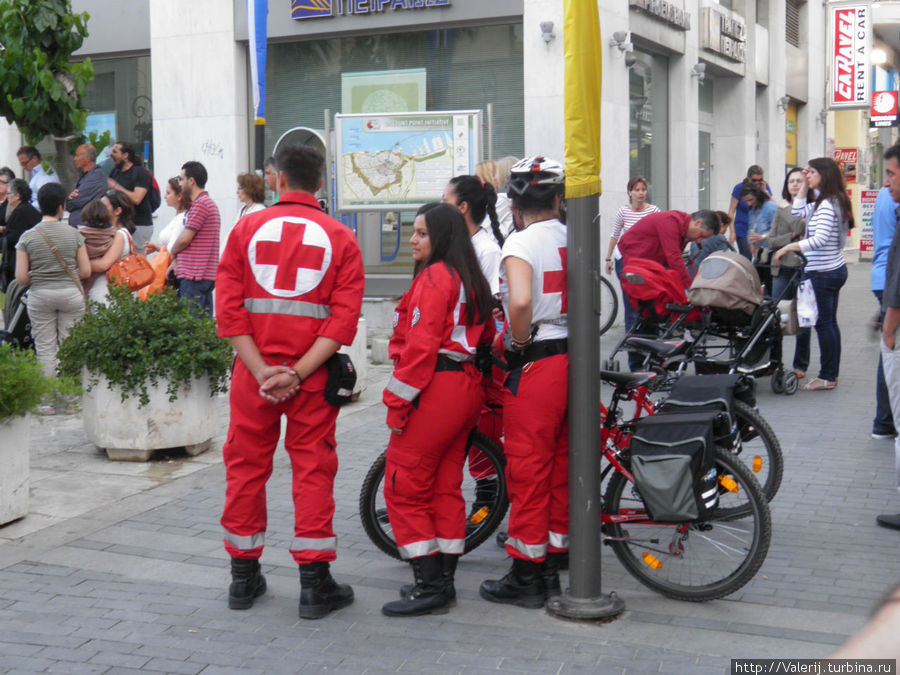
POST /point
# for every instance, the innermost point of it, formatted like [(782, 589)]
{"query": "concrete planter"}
[(129, 432), (15, 441), (357, 353)]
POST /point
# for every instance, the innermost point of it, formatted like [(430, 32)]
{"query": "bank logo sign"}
[(309, 9)]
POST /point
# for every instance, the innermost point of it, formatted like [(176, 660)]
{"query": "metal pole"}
[(584, 599)]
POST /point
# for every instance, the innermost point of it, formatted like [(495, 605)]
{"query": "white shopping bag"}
[(807, 310)]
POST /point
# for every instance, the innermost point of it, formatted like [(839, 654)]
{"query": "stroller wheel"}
[(777, 381), (791, 384)]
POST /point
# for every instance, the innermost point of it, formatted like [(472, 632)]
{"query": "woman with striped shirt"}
[(827, 221), (627, 216)]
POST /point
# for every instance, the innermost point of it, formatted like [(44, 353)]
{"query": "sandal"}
[(818, 384)]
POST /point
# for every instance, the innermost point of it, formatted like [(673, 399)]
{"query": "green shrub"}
[(22, 384), (136, 344)]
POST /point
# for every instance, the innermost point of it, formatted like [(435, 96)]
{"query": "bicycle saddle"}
[(626, 380), (658, 348)]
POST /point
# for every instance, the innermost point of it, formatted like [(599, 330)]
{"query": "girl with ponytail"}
[(476, 201)]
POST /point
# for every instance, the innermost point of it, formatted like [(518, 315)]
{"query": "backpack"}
[(153, 194)]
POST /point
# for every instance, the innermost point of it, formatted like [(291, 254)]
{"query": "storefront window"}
[(648, 125), (461, 69), (120, 99)]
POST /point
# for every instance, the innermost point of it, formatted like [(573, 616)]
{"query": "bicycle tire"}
[(689, 567), (373, 513), (609, 304), (755, 429)]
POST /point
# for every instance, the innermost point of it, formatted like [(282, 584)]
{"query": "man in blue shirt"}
[(884, 221), (739, 212)]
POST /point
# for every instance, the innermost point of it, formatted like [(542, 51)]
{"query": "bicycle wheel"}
[(758, 448), (609, 304), (695, 561), (483, 488)]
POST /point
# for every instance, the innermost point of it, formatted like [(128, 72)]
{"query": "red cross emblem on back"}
[(555, 282), (290, 256)]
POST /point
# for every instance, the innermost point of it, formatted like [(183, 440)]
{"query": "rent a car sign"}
[(850, 39)]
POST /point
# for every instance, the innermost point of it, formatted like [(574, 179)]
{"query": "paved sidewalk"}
[(120, 568)]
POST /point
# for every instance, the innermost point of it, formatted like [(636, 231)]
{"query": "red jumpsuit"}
[(435, 410), (536, 406), (289, 274)]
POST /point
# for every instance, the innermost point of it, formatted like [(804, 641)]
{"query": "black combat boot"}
[(247, 583), (319, 592), (550, 573), (523, 586), (427, 595), (448, 572)]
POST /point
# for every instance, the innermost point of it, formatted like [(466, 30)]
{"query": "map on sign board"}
[(400, 161)]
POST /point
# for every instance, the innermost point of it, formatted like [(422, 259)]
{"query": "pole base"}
[(603, 608)]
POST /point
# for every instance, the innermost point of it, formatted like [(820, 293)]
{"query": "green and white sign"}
[(399, 161)]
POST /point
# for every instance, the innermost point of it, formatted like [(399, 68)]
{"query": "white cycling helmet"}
[(537, 175)]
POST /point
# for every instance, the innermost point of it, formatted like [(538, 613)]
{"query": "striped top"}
[(825, 234), (201, 257), (625, 218)]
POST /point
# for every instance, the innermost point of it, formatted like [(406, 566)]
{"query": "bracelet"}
[(299, 379), (609, 260), (519, 344)]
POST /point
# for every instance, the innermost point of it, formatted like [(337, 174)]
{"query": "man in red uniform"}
[(662, 237), (289, 291)]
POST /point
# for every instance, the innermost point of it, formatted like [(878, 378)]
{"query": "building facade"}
[(693, 91)]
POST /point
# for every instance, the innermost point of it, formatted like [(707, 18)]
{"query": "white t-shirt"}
[(543, 246), (488, 258), (100, 288), (170, 233), (504, 217)]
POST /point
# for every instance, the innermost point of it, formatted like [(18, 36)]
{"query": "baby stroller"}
[(742, 327), (658, 295), (15, 318)]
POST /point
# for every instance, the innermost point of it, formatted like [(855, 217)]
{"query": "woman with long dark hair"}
[(476, 201), (761, 213), (433, 400), (827, 219)]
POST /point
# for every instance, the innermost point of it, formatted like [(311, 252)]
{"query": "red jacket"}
[(430, 319), (289, 274), (660, 237)]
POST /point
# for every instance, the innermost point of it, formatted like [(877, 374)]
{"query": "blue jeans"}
[(201, 291), (631, 314), (635, 360), (884, 420), (827, 287), (743, 246)]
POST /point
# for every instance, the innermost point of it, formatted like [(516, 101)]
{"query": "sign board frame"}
[(455, 131)]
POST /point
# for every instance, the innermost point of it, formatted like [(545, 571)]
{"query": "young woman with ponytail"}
[(476, 201)]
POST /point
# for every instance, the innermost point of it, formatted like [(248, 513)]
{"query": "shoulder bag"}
[(68, 270), (133, 271)]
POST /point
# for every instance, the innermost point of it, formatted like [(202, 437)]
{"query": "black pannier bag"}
[(341, 379), (673, 463), (695, 393)]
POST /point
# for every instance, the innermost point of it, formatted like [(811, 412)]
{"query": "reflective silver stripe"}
[(246, 543), (417, 549), (455, 356), (283, 306), (401, 389), (533, 551), (558, 540), (309, 544), (454, 546)]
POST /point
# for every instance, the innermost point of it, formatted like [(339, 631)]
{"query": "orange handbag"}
[(160, 264), (133, 271)]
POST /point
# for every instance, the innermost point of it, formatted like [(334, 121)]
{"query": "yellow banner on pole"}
[(583, 69)]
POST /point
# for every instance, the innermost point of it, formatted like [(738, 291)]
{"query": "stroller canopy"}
[(728, 280)]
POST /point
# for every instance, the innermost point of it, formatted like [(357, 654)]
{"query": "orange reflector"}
[(728, 483), (651, 561), (479, 515), (757, 464)]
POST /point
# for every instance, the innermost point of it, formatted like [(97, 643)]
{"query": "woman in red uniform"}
[(535, 412), (433, 400)]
